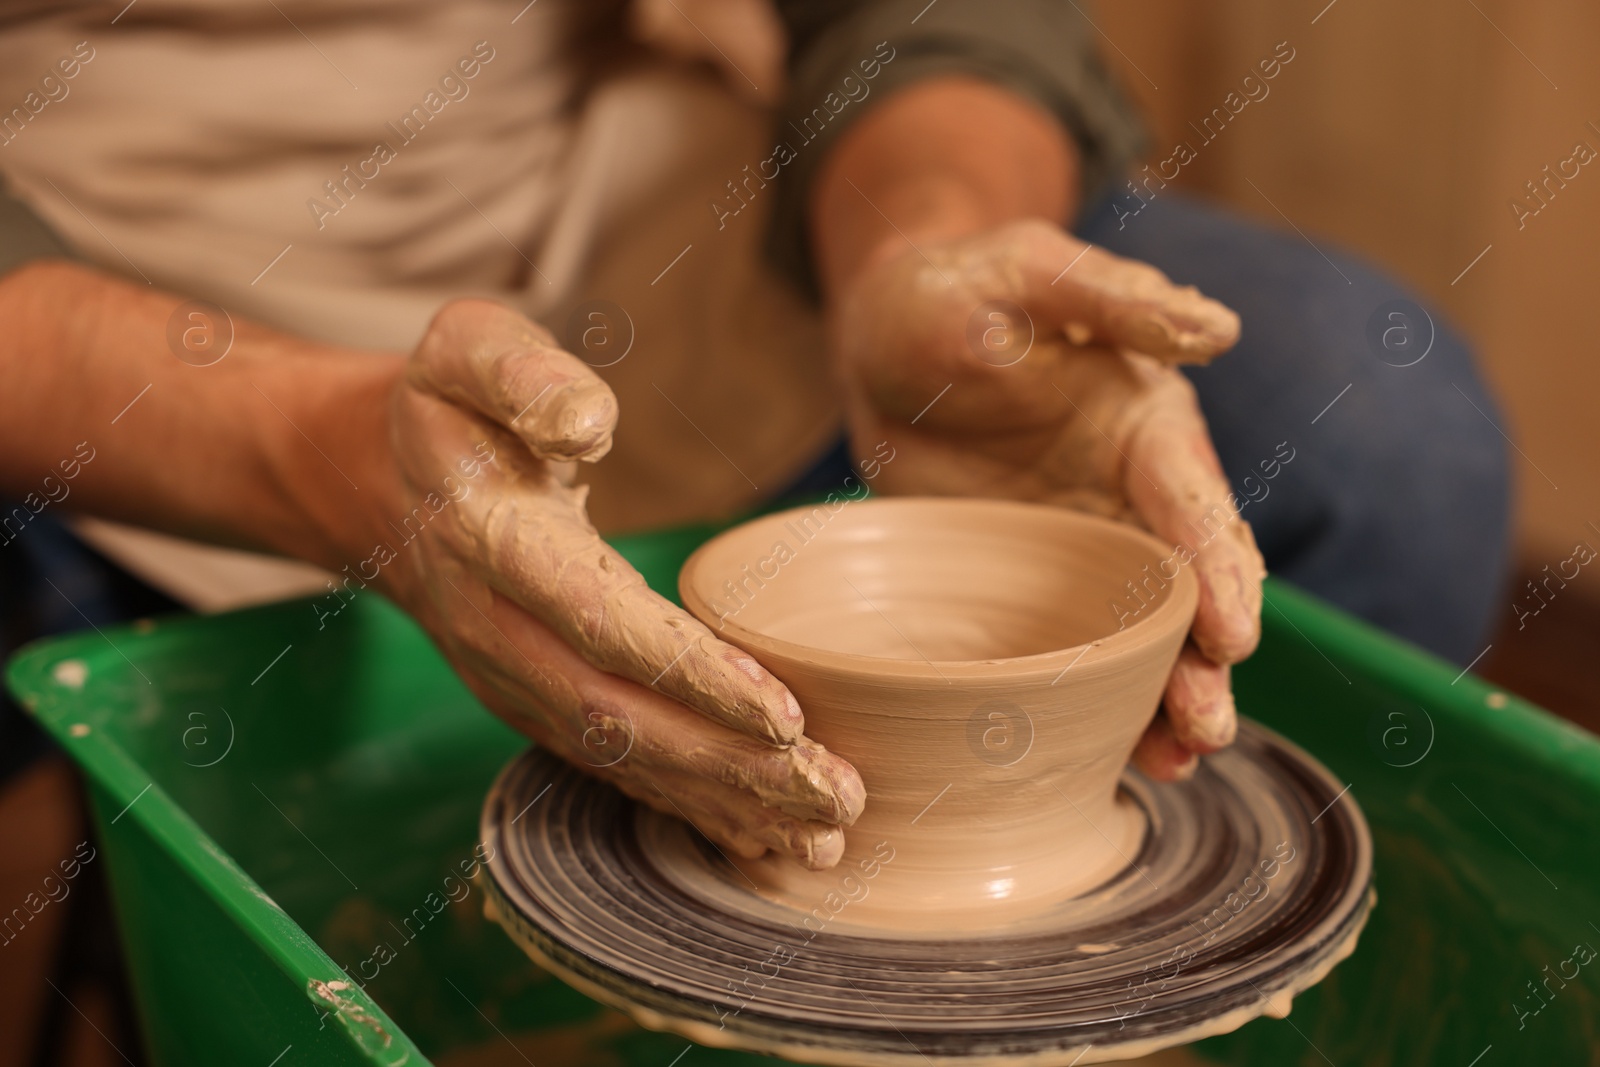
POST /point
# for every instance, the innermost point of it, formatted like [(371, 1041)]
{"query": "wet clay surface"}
[(964, 656), (1011, 892)]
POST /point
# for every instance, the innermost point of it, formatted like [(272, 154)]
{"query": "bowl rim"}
[(1151, 628)]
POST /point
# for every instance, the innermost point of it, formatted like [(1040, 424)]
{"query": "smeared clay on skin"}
[(607, 610), (572, 422), (1184, 494), (485, 358), (744, 793), (1202, 686), (1002, 598), (1151, 316), (1162, 756), (1124, 301), (555, 631), (1093, 417)]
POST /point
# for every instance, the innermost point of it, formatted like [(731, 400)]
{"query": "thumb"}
[(1095, 296), (485, 357)]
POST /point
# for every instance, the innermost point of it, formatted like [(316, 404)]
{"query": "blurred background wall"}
[(1405, 131)]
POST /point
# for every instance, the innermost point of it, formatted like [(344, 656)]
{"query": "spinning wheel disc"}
[(1251, 882)]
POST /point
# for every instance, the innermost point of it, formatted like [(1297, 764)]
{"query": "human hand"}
[(551, 627), (1022, 363)]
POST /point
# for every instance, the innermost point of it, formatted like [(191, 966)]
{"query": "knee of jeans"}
[(1441, 431), (1397, 505), (1416, 513)]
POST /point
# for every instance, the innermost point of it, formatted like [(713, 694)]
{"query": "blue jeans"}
[(1395, 506)]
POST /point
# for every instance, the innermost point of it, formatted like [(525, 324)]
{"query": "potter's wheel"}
[(1195, 938)]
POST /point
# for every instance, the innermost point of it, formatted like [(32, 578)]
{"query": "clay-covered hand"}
[(1023, 363), (550, 626)]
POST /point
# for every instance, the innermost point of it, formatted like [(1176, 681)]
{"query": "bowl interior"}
[(933, 580)]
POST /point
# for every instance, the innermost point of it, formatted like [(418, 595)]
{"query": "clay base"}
[(893, 887)]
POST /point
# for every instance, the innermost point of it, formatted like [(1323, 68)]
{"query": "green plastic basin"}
[(283, 808)]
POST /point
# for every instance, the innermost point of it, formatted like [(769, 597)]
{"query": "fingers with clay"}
[(1091, 414), (745, 794), (554, 564), (1176, 485), (559, 634), (1096, 297), (486, 358), (536, 546)]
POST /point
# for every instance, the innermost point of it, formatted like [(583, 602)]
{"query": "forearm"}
[(279, 446), (939, 160)]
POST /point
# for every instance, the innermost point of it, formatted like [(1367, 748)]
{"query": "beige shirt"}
[(339, 170)]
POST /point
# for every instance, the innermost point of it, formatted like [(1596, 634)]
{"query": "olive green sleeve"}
[(847, 55)]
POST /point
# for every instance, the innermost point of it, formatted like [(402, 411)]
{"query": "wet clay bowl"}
[(987, 666)]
